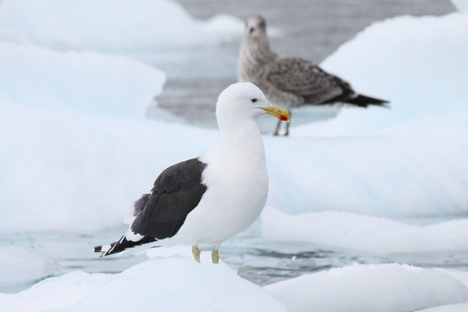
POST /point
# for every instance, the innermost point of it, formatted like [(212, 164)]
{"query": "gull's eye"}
[(254, 100)]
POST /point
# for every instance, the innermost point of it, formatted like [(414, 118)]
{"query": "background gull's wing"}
[(308, 81)]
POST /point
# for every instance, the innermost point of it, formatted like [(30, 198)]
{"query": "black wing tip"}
[(365, 101), (122, 245), (105, 252)]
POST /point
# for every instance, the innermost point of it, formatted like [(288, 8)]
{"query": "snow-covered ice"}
[(460, 307), (117, 26), (385, 287), (85, 82), (76, 153), (462, 276), (82, 173), (174, 284), (178, 283), (54, 293), (419, 64), (19, 266), (50, 102), (391, 176), (366, 233), (78, 165)]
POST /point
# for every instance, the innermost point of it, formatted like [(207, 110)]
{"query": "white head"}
[(243, 102), (255, 26)]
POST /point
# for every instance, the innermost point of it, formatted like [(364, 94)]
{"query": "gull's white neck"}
[(245, 138), (240, 146)]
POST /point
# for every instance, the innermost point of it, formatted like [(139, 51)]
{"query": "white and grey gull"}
[(291, 81), (209, 199)]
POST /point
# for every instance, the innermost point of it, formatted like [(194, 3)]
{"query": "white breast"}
[(237, 182)]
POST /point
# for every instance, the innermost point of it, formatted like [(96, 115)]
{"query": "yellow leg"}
[(215, 256), (196, 253)]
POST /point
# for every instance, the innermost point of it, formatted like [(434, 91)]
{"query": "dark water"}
[(310, 29)]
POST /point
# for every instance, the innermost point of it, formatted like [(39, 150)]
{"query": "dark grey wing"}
[(308, 81), (160, 214), (176, 192)]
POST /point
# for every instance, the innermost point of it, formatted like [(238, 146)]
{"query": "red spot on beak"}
[(282, 117)]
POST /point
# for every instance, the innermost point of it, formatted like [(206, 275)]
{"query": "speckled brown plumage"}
[(291, 81)]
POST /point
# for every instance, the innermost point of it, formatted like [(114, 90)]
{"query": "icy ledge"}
[(19, 266), (417, 63), (385, 287), (178, 283), (174, 284), (130, 26), (82, 82), (339, 229)]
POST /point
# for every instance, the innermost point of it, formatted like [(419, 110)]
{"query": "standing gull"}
[(291, 81), (209, 199)]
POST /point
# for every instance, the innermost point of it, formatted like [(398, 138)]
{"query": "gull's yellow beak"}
[(277, 112)]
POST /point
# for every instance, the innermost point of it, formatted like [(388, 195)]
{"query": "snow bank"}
[(461, 307), (174, 284), (77, 165), (82, 173), (346, 230), (57, 140), (54, 293), (85, 82), (385, 287), (19, 267), (110, 25), (391, 176), (418, 63)]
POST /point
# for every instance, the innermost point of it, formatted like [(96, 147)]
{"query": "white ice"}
[(91, 83), (82, 173), (366, 233), (462, 276), (78, 165), (54, 293), (174, 284), (76, 153), (178, 283), (19, 266), (116, 26), (418, 63), (385, 287)]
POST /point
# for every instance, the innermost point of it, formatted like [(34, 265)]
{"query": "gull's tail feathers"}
[(365, 101), (122, 245)]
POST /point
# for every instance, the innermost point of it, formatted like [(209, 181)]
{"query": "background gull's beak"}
[(277, 112)]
